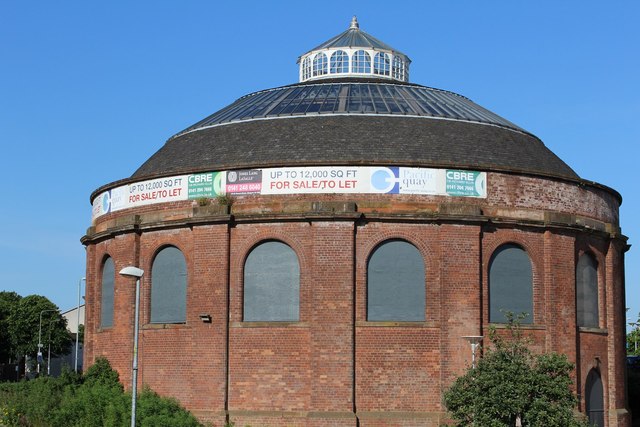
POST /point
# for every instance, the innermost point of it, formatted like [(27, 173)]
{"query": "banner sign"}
[(294, 180)]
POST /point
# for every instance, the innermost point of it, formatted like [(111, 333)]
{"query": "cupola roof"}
[(354, 53), (354, 37)]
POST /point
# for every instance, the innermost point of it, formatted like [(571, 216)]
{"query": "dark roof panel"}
[(355, 140)]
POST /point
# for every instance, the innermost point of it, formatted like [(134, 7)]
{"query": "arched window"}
[(587, 291), (361, 62), (169, 287), (510, 284), (272, 284), (396, 283), (381, 64), (594, 399), (320, 64), (306, 68), (106, 296), (339, 62), (398, 68)]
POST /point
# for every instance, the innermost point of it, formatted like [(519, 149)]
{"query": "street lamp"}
[(40, 340), (75, 362), (137, 273), (49, 351), (475, 341)]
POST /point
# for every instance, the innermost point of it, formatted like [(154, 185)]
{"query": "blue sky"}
[(89, 90)]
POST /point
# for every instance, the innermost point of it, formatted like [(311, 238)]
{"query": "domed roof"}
[(354, 116)]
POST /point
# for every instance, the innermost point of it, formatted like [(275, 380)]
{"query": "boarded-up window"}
[(396, 283), (272, 284), (510, 284), (587, 291), (169, 287), (594, 398), (106, 298)]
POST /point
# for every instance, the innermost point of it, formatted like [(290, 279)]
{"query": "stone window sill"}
[(395, 324), (152, 326), (269, 325), (525, 327), (599, 331)]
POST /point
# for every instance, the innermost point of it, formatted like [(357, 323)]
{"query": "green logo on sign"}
[(204, 185), (466, 183)]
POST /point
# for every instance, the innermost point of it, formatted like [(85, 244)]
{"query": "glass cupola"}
[(354, 53)]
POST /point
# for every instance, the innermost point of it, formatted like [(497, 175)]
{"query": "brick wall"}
[(333, 365)]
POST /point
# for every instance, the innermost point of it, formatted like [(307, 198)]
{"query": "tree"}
[(24, 327), (511, 383), (8, 302), (633, 338)]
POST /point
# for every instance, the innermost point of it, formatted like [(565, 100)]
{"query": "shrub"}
[(96, 399), (155, 411), (511, 383)]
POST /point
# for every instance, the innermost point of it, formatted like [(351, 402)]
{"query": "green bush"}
[(155, 411), (34, 400), (96, 399), (510, 382)]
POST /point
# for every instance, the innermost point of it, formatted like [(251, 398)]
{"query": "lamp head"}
[(474, 339), (132, 272)]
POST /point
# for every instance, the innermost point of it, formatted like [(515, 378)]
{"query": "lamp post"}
[(475, 341), (49, 351), (39, 359), (137, 273), (75, 362)]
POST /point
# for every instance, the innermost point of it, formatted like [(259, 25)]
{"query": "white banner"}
[(300, 180)]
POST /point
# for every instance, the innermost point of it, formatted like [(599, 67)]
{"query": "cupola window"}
[(381, 64), (306, 68), (361, 62), (339, 62), (320, 65), (399, 69)]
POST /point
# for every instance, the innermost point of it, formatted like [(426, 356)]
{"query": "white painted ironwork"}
[(354, 53)]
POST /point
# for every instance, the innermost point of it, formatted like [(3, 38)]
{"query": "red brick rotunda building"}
[(314, 254)]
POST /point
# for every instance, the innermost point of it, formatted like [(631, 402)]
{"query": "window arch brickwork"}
[(107, 293), (587, 291), (594, 398), (510, 283), (169, 286), (271, 283), (396, 283)]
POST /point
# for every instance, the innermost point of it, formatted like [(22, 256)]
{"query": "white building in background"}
[(68, 360), (72, 318)]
